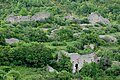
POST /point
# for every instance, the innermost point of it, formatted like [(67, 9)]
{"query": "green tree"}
[(23, 12), (2, 39), (37, 35), (104, 63), (90, 70), (64, 75), (63, 64), (64, 34)]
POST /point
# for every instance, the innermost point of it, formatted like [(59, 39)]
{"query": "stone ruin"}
[(97, 18), (11, 40), (36, 17), (78, 60)]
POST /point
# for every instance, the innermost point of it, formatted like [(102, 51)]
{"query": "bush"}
[(2, 39), (34, 77), (104, 63), (71, 49), (12, 75), (58, 43), (37, 35), (2, 73), (63, 64), (114, 70), (31, 55), (64, 75), (91, 38), (90, 70), (64, 34)]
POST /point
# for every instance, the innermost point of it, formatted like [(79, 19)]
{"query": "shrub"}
[(34, 77), (37, 35), (31, 55), (104, 63), (63, 64), (59, 44), (12, 75), (90, 70), (71, 49), (64, 75), (64, 34), (2, 73), (91, 38), (2, 39)]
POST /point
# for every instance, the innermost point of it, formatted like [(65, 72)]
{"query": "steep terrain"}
[(59, 39)]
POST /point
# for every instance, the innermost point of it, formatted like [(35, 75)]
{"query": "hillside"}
[(59, 40)]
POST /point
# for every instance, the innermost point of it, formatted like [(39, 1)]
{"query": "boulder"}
[(69, 18), (76, 35), (85, 29), (11, 40), (50, 69), (91, 46), (97, 18), (108, 38)]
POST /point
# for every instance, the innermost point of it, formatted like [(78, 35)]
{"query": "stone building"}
[(78, 60)]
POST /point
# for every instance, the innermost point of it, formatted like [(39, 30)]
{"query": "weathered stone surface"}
[(53, 35), (14, 19), (40, 16), (108, 38), (76, 35), (72, 18), (11, 40), (69, 18), (95, 18), (36, 17), (79, 60), (85, 29), (116, 62), (85, 25), (50, 69), (91, 46)]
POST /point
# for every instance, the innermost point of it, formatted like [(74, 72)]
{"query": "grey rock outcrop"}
[(36, 17), (95, 18), (69, 18), (76, 35), (91, 46), (11, 40), (50, 69), (108, 38)]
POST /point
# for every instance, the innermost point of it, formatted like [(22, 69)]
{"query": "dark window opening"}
[(76, 67), (98, 60)]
